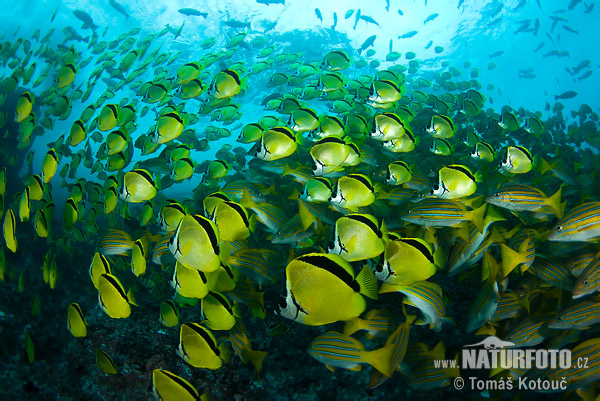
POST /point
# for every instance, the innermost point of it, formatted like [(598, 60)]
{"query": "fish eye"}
[(558, 319), (282, 303), (586, 282), (497, 194), (559, 228), (331, 245), (379, 268)]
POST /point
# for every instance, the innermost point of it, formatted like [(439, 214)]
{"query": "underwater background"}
[(244, 194)]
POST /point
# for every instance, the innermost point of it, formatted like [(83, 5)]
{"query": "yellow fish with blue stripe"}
[(582, 223), (337, 350)]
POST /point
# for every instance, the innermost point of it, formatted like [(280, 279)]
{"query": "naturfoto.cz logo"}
[(497, 354)]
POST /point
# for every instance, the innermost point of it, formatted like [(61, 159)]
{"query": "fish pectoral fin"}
[(186, 248), (351, 244), (350, 195), (452, 187), (331, 368), (356, 368)]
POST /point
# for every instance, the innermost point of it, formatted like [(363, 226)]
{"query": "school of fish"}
[(363, 195)]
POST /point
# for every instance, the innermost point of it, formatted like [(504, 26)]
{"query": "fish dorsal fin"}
[(367, 282)]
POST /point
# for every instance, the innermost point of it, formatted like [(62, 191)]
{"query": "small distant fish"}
[(192, 12), (408, 35), (369, 42), (429, 44), (348, 14), (589, 7), (400, 12), (88, 22), (539, 47), (587, 74), (431, 18), (569, 29), (496, 54), (237, 24), (118, 7), (369, 19), (334, 21), (356, 18), (269, 2), (566, 95), (54, 14), (318, 14)]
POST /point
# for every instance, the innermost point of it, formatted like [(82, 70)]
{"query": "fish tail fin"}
[(258, 306), (511, 258), (225, 352), (545, 166), (131, 297), (380, 359), (367, 282), (306, 216), (478, 176), (247, 200), (491, 216), (353, 325), (287, 170), (477, 217), (255, 358), (554, 203), (376, 378)]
